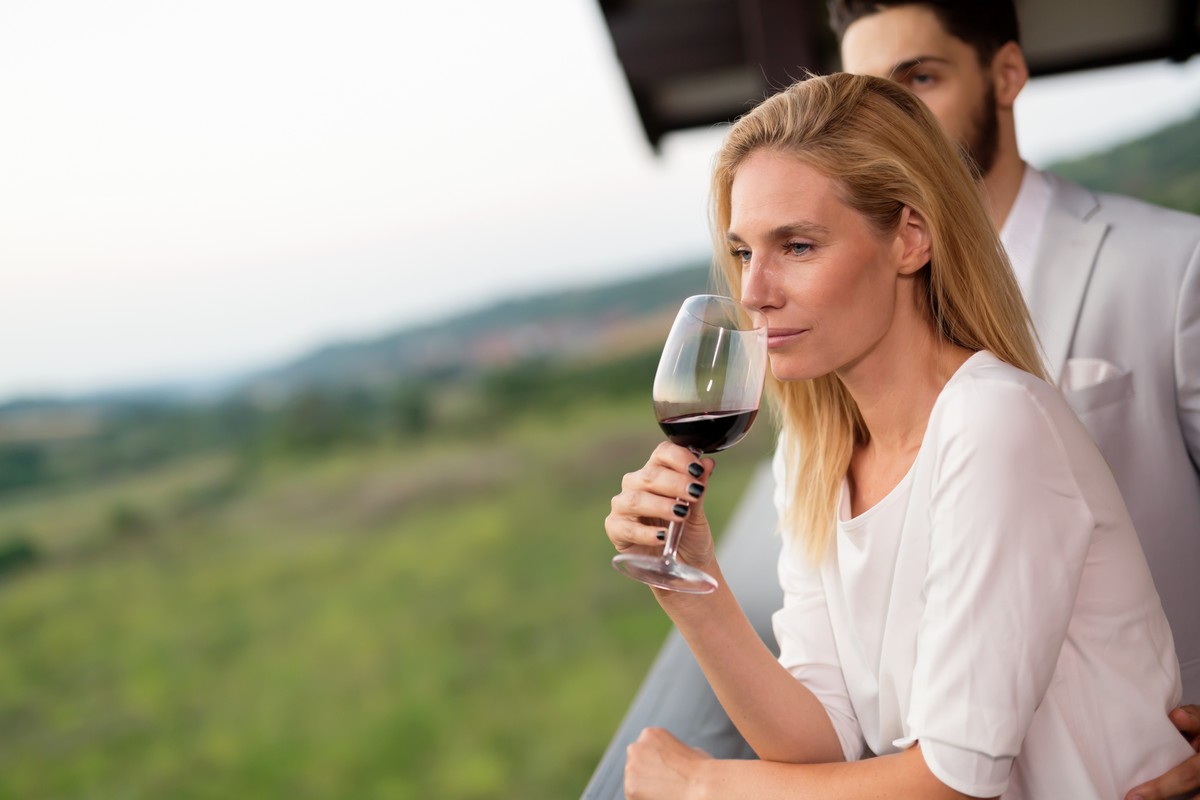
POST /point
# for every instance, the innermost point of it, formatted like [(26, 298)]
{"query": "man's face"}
[(909, 45)]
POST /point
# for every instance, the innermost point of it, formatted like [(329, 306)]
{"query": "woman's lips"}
[(781, 337)]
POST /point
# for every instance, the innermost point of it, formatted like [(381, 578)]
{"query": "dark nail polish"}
[(680, 510), (696, 469), (662, 536), (695, 490)]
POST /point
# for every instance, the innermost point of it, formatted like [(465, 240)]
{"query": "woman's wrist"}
[(705, 780), (685, 609), (680, 604)]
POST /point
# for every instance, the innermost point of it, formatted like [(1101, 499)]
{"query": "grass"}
[(435, 620)]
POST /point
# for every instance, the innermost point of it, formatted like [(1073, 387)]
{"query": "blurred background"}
[(326, 333)]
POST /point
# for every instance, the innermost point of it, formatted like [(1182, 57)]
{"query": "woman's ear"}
[(913, 241)]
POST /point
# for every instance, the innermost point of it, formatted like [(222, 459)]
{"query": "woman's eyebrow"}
[(783, 231)]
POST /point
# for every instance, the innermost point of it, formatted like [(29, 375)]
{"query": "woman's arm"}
[(660, 767), (778, 716)]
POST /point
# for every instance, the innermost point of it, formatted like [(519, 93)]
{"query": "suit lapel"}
[(1070, 243)]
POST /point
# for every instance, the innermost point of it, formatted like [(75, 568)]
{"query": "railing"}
[(675, 694)]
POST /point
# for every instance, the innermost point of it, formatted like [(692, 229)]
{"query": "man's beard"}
[(983, 140)]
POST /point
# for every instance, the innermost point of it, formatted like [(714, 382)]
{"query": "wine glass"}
[(706, 395)]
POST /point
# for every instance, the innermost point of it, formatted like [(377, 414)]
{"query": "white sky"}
[(188, 188)]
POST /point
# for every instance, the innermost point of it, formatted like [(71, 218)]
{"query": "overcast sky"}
[(188, 188)]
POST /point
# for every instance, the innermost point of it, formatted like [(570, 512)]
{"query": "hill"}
[(468, 373), (572, 322), (1162, 168)]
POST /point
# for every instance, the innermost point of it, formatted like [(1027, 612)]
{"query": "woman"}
[(965, 596)]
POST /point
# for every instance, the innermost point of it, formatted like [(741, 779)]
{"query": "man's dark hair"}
[(985, 25)]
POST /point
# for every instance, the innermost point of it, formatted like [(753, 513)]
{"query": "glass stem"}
[(675, 529), (674, 534)]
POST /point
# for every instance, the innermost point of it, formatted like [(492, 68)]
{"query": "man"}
[(1113, 285)]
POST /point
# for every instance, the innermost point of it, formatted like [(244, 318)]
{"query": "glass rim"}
[(754, 314)]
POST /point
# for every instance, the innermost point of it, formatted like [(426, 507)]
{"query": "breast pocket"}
[(1092, 383)]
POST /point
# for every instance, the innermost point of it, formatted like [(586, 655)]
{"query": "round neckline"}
[(850, 523), (899, 489)]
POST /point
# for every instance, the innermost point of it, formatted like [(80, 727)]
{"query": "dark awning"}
[(691, 63)]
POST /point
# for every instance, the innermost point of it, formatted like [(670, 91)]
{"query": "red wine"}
[(708, 433)]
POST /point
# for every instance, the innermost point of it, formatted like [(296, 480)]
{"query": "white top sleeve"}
[(802, 628), (1010, 532)]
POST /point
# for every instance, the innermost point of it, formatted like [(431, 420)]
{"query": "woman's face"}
[(827, 282)]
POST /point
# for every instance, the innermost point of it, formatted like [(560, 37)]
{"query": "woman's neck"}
[(896, 386), (895, 394)]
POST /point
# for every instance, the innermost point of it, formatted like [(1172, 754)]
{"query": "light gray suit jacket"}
[(1117, 281)]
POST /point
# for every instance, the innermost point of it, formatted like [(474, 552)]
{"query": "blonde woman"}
[(965, 596)]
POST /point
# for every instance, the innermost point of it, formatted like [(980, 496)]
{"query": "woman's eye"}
[(741, 255)]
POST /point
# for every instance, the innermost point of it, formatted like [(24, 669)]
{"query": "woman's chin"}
[(787, 367), (791, 373)]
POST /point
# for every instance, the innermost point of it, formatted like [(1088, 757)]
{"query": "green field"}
[(432, 620)]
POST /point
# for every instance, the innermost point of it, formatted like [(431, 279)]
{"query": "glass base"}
[(664, 573)]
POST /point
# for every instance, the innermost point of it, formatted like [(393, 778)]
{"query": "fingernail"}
[(662, 536), (695, 490), (680, 510), (696, 469)]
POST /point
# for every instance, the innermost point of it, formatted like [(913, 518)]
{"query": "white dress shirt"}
[(995, 606), (1022, 230)]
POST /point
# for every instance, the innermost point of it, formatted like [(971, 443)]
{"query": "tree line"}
[(135, 436)]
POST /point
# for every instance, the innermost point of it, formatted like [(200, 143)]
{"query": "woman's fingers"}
[(664, 487), (646, 503), (658, 765), (668, 488), (672, 472), (639, 517), (625, 532)]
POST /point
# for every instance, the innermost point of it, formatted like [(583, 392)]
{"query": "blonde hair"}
[(886, 151)]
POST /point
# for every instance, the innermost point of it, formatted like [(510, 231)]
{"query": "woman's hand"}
[(1185, 777), (672, 480), (660, 767)]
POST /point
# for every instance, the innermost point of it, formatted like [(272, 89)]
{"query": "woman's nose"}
[(756, 285)]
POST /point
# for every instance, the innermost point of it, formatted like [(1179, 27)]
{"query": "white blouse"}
[(995, 606)]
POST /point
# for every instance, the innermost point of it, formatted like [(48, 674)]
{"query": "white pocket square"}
[(1081, 373)]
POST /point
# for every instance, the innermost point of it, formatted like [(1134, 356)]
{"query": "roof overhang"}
[(693, 63)]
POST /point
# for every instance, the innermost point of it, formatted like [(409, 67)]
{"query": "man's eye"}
[(921, 79), (798, 248)]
